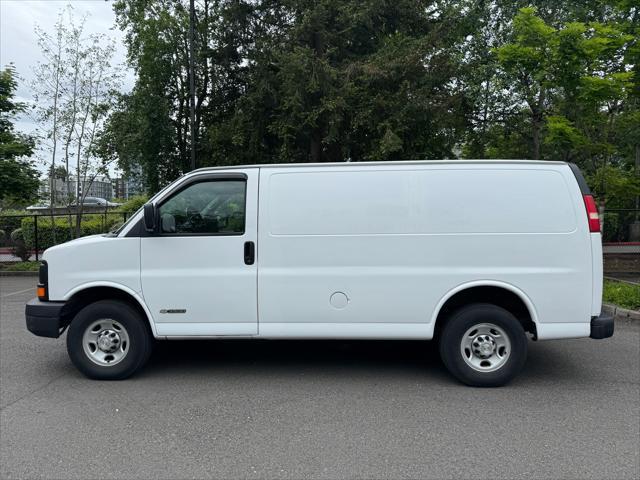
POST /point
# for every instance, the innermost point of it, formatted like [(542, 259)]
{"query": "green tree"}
[(150, 126), (530, 61), (18, 177), (348, 81), (298, 81), (289, 81), (74, 88)]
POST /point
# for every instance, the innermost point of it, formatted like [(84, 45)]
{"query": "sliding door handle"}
[(249, 253)]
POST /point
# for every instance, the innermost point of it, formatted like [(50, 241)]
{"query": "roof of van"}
[(398, 162)]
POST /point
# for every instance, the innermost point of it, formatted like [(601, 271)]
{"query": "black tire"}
[(138, 347), (451, 351)]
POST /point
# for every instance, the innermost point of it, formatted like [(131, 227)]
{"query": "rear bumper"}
[(602, 326), (46, 319)]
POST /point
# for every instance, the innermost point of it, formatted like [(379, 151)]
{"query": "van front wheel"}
[(483, 345), (107, 340)]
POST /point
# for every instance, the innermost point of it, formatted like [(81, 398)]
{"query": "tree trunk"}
[(55, 136), (537, 119), (316, 146), (192, 86), (317, 43), (535, 154)]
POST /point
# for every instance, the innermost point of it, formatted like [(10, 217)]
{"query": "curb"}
[(621, 280), (620, 313), (18, 274)]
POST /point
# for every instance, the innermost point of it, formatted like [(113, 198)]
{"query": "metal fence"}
[(25, 237)]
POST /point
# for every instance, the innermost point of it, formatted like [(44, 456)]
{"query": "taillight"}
[(592, 214)]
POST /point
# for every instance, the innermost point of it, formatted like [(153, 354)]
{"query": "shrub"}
[(133, 204), (611, 227), (20, 267), (9, 223), (91, 224), (20, 248)]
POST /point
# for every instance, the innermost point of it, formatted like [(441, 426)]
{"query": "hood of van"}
[(96, 239), (96, 260)]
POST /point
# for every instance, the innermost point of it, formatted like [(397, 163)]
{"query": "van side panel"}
[(434, 201), (383, 245)]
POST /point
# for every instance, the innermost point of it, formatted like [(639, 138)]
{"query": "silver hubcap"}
[(105, 342), (485, 347)]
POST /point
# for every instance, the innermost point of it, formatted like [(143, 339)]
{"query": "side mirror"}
[(168, 222), (149, 217)]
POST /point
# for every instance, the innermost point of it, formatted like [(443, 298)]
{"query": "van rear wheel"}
[(107, 340), (483, 345)]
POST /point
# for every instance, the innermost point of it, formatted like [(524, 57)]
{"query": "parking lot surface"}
[(275, 409)]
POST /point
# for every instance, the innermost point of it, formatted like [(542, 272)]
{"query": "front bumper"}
[(46, 319), (602, 326)]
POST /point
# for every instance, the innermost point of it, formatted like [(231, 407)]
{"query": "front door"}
[(198, 271)]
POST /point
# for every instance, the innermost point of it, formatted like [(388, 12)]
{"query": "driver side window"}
[(214, 207)]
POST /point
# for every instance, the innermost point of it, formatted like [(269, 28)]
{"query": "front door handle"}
[(249, 253)]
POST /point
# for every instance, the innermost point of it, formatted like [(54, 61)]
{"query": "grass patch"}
[(20, 266), (624, 295)]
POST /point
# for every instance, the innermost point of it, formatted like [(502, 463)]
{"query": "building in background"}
[(120, 188), (61, 193), (128, 186), (66, 189), (123, 188), (134, 186), (101, 187)]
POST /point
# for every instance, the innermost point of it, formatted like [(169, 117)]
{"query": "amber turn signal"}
[(42, 292)]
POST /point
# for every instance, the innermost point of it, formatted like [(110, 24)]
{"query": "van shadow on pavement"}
[(547, 361), (294, 355)]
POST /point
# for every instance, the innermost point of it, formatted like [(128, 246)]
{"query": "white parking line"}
[(16, 293)]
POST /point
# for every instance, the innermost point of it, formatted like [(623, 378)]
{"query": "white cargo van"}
[(475, 254)]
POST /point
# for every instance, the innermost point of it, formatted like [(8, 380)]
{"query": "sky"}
[(19, 45)]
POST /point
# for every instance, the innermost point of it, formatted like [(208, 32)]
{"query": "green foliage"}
[(562, 135), (24, 266), (133, 204), (9, 223), (622, 294), (567, 75), (19, 248), (18, 176), (91, 224), (618, 181), (575, 80), (288, 82), (336, 80)]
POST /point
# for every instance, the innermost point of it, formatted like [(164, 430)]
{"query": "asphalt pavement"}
[(321, 409)]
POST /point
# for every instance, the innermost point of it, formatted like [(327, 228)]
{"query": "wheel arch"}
[(82, 295), (499, 293)]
